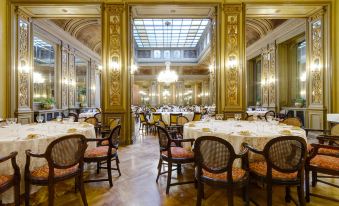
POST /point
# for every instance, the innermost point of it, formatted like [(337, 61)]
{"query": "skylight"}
[(150, 33)]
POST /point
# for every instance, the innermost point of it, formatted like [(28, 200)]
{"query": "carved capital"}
[(115, 9), (232, 8), (317, 15)]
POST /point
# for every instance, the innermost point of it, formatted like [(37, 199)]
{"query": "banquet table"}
[(166, 116), (87, 114), (35, 137), (255, 133), (259, 113)]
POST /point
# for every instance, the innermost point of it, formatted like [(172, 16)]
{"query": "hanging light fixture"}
[(167, 76)]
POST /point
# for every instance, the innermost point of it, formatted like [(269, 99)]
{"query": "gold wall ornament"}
[(64, 77), (233, 57), (264, 77), (94, 66), (272, 75), (71, 79)]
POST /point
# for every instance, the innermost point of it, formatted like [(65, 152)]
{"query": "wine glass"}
[(39, 118), (59, 118)]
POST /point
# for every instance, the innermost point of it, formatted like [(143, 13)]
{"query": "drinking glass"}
[(39, 118), (59, 118)]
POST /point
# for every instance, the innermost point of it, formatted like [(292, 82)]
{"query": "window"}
[(43, 71), (81, 69), (167, 54), (301, 69), (157, 54), (176, 54)]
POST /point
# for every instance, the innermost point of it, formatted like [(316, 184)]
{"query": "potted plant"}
[(299, 102), (48, 103)]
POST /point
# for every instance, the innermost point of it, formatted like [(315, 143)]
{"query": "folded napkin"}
[(285, 132), (32, 136), (71, 130), (206, 129), (245, 132)]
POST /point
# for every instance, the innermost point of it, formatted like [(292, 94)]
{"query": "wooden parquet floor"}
[(137, 186)]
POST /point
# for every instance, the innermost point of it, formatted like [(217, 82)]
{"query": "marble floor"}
[(137, 186)]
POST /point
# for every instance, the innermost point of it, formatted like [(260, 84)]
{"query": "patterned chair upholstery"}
[(9, 181), (174, 118), (172, 155), (284, 163), (65, 157), (105, 154), (197, 116), (214, 158), (293, 121)]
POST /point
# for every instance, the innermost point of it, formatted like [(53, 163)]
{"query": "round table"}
[(255, 133), (15, 138), (166, 116)]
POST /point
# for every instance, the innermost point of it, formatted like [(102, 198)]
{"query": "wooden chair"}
[(98, 116), (293, 121), (105, 152), (269, 114), (153, 109), (93, 121), (65, 158), (284, 163), (174, 117), (8, 181), (156, 117), (76, 117), (324, 159), (181, 121), (214, 158), (143, 122), (172, 155), (197, 116)]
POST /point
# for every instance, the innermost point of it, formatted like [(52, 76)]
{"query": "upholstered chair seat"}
[(238, 174), (5, 179), (98, 151), (260, 169), (326, 162), (179, 152), (43, 172)]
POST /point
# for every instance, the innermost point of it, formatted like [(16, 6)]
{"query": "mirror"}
[(81, 69)]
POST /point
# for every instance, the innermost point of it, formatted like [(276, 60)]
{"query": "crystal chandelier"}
[(167, 76)]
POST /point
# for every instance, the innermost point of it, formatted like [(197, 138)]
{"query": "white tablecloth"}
[(14, 138), (166, 116), (233, 131), (87, 114), (259, 113)]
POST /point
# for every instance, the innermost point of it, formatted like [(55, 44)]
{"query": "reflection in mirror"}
[(81, 69), (44, 73)]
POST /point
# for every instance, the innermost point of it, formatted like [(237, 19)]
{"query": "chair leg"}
[(246, 194), (269, 194), (98, 167), (117, 162), (287, 194), (314, 179), (27, 192), (307, 181), (199, 194), (230, 195), (17, 194), (159, 169), (109, 172), (51, 191), (301, 195), (179, 169), (82, 190), (169, 177)]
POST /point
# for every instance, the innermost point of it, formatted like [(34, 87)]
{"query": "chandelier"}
[(167, 76)]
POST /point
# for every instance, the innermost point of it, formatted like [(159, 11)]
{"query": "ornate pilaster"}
[(64, 77), (71, 79), (115, 88), (233, 59), (93, 68), (316, 67), (272, 76), (24, 68), (265, 59)]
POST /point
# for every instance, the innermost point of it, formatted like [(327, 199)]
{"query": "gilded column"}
[(233, 57), (64, 77), (24, 110), (265, 59), (93, 68), (115, 88), (71, 79), (271, 76), (316, 109)]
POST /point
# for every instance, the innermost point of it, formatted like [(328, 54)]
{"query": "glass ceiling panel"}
[(179, 32)]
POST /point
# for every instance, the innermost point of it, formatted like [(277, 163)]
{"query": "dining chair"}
[(269, 114), (173, 155), (93, 121), (105, 130), (143, 122), (98, 116), (284, 164), (197, 116), (324, 159), (65, 160), (105, 152), (174, 117), (74, 115), (156, 117), (293, 121), (214, 159), (9, 181), (181, 121)]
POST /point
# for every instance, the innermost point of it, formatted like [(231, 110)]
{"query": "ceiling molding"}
[(61, 11)]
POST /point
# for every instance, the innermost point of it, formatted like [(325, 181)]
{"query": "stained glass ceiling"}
[(177, 33)]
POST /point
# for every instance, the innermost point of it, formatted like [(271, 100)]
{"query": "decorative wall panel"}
[(64, 77), (264, 77), (272, 76), (233, 57), (94, 66), (71, 79)]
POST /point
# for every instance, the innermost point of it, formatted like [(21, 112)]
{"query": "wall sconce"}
[(100, 67), (232, 62)]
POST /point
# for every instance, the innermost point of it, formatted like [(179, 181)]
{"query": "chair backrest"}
[(182, 120), (156, 117), (214, 154), (66, 151), (164, 139), (285, 153), (142, 117), (92, 120), (72, 114), (197, 116), (174, 118), (161, 124), (293, 121), (153, 109), (114, 137), (98, 116), (98, 110), (269, 114), (335, 130), (113, 123)]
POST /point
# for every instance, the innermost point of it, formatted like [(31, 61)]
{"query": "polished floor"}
[(137, 186)]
